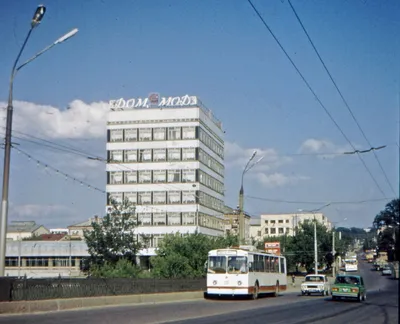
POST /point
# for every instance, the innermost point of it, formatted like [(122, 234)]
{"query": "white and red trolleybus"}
[(245, 271)]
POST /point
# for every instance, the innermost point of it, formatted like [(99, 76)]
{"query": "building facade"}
[(232, 222), (283, 224), (166, 156)]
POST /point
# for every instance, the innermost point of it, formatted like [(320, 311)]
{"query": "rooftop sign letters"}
[(154, 100)]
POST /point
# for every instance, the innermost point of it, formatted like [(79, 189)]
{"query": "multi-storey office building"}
[(166, 155)]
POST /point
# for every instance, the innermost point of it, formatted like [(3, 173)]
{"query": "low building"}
[(19, 230), (284, 224)]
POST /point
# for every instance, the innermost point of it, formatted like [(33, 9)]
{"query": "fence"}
[(12, 289)]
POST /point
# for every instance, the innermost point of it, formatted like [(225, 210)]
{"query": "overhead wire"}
[(341, 95), (316, 96)]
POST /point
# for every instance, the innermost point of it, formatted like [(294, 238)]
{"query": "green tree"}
[(113, 238), (301, 247), (389, 216), (184, 255)]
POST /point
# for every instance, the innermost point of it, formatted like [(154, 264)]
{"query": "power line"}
[(317, 202), (66, 175), (341, 95), (315, 95)]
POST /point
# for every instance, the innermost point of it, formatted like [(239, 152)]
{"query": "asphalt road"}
[(290, 308)]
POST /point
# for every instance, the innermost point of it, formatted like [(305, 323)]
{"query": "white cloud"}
[(277, 179), (237, 156), (321, 146), (79, 120)]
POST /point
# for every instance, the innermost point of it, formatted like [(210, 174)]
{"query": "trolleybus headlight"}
[(239, 283), (214, 282)]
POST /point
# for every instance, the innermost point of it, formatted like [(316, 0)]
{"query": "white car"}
[(386, 270), (315, 284)]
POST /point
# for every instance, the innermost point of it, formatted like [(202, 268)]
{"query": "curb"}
[(54, 305)]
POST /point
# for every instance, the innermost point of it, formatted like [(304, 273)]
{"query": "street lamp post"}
[(37, 18), (247, 168)]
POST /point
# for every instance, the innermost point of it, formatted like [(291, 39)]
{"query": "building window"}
[(116, 177), (174, 218), (287, 230), (131, 135), (116, 135), (144, 134), (266, 222), (189, 132), (266, 231), (188, 197), (131, 156), (273, 230), (159, 176), (116, 156), (159, 197), (144, 198), (145, 219), (174, 197), (131, 197), (188, 218), (159, 155), (280, 230), (174, 175), (174, 133), (188, 175), (130, 177), (159, 134), (280, 221), (145, 176), (272, 222), (159, 219), (144, 155), (287, 221), (189, 154), (174, 154)]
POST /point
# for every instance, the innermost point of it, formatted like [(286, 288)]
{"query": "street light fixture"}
[(36, 20)]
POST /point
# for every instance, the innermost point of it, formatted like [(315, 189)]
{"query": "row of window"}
[(280, 221), (211, 143), (264, 263), (152, 134), (165, 176), (164, 155), (272, 231), (164, 134), (42, 262), (167, 197), (179, 219)]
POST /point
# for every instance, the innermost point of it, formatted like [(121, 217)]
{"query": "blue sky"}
[(219, 51)]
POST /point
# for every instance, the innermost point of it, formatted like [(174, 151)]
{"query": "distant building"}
[(283, 224), (232, 222), (59, 230), (52, 237), (76, 231), (19, 230)]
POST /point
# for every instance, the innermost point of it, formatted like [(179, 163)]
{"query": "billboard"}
[(272, 248)]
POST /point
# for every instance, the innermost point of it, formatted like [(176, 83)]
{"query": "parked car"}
[(315, 284), (349, 286), (386, 270)]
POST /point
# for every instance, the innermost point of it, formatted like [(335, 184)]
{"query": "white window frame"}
[(174, 154), (131, 155), (157, 173), (131, 135), (171, 176), (129, 175), (160, 155), (174, 218), (145, 134), (174, 197), (159, 197), (159, 134), (116, 135), (116, 177), (189, 132), (144, 176), (189, 154)]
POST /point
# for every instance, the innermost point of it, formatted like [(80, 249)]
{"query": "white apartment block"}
[(166, 155), (281, 224)]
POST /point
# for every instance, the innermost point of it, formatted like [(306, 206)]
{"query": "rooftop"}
[(22, 227)]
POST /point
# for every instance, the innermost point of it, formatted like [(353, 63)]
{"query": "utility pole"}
[(334, 255), (315, 247)]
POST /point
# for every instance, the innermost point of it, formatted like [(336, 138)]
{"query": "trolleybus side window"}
[(282, 265)]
